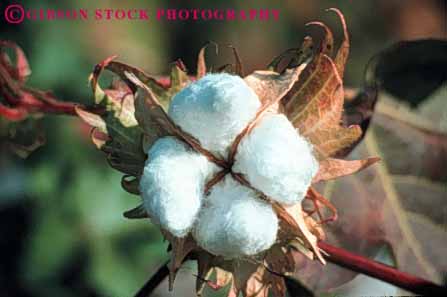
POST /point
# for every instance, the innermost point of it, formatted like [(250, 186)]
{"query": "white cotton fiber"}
[(215, 109), (277, 160), (235, 223), (172, 184)]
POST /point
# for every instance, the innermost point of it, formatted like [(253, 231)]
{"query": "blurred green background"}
[(62, 232)]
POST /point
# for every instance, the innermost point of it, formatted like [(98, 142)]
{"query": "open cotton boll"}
[(234, 222), (172, 184), (215, 109), (277, 160)]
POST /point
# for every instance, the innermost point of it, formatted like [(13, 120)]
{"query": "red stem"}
[(381, 271)]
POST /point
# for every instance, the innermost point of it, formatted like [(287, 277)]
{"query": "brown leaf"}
[(298, 56), (138, 212), (92, 119), (181, 248), (99, 138), (271, 86), (238, 66), (249, 278), (179, 79), (150, 114), (327, 43), (315, 103), (333, 168), (130, 184), (292, 220), (204, 271), (343, 51), (201, 61), (279, 260)]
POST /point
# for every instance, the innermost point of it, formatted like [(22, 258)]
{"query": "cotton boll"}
[(172, 184), (277, 160), (215, 109), (234, 222)]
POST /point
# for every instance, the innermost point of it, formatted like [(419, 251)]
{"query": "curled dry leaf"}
[(333, 168), (201, 61), (130, 184), (315, 103), (138, 212)]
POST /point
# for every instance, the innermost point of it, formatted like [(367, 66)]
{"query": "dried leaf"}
[(238, 68), (315, 103), (138, 212), (298, 56), (343, 52), (181, 248), (292, 221), (271, 86), (92, 119), (120, 68), (131, 184), (150, 115), (279, 260), (249, 278), (99, 138), (201, 61), (333, 168), (327, 43), (204, 270), (179, 80)]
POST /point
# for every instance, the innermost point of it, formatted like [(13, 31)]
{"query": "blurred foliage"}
[(61, 221)]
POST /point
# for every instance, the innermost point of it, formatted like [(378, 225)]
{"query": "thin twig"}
[(381, 271), (156, 279)]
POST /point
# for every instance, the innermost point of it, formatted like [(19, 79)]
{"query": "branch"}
[(347, 260), (31, 101), (154, 281), (381, 271)]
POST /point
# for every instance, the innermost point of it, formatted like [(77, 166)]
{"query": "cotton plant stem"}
[(22, 109), (381, 271), (158, 277), (344, 259)]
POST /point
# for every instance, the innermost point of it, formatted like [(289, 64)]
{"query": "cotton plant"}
[(224, 163)]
